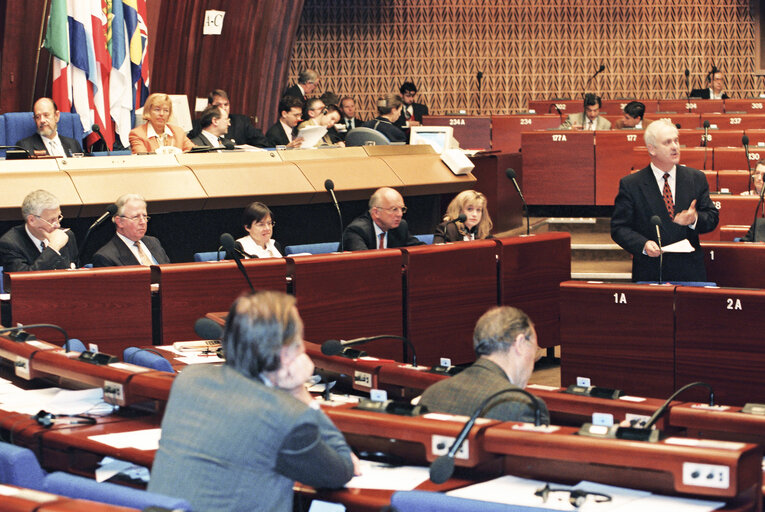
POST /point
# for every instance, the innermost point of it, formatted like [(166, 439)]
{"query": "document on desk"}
[(312, 135), (377, 475), (147, 439), (57, 401), (682, 246)]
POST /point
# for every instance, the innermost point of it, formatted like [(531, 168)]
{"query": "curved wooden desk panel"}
[(613, 149), (530, 272), (351, 295), (107, 306), (735, 264), (506, 130), (448, 287), (190, 290), (20, 177), (696, 106), (354, 178)]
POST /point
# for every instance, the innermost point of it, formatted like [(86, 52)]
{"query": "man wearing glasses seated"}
[(382, 226), (39, 243), (130, 245)]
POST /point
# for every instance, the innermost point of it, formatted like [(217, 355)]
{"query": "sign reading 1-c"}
[(213, 23)]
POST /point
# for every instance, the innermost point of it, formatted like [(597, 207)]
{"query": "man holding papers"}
[(678, 196)]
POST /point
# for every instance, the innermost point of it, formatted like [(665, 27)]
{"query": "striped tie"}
[(668, 202)]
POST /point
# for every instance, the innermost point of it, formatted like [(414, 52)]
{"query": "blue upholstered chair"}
[(19, 466), (3, 140), (319, 248), (147, 359), (76, 345), (427, 239), (210, 256), (426, 501), (360, 136), (19, 125)]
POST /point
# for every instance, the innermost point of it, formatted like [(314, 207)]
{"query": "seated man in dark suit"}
[(214, 124), (130, 245), (240, 130), (305, 86), (47, 140), (284, 131), (39, 243), (349, 119), (382, 227), (505, 342), (715, 80), (411, 114)]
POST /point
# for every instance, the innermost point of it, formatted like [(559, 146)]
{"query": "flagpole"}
[(37, 57)]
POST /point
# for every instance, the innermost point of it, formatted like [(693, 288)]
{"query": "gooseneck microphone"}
[(656, 221), (330, 186), (555, 106), (97, 130), (227, 241), (336, 347), (705, 142), (19, 334), (599, 71), (687, 84), (661, 410), (19, 148), (511, 176), (745, 143), (109, 213), (442, 468)]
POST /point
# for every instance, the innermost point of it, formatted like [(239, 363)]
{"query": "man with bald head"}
[(678, 197), (47, 140), (382, 226)]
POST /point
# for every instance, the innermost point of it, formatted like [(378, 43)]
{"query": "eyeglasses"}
[(265, 224), (137, 218), (57, 221), (575, 496), (393, 209)]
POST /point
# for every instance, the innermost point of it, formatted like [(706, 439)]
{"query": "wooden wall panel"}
[(526, 49)]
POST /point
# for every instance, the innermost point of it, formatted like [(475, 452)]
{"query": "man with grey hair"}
[(505, 342), (130, 245), (382, 226), (39, 243), (305, 86), (673, 194)]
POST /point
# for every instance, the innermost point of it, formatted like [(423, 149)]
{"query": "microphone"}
[(97, 130), (555, 106), (19, 334), (110, 211), (661, 410), (511, 176), (207, 329), (227, 241), (687, 85), (745, 142), (705, 141), (336, 347), (656, 221), (329, 185), (599, 71), (442, 468), (27, 153), (460, 218)]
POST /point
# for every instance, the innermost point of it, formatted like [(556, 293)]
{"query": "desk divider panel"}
[(734, 210), (530, 272), (619, 335), (613, 149), (691, 105), (188, 291), (734, 121), (471, 132), (448, 287), (110, 307), (20, 177), (506, 129), (735, 158), (719, 341), (735, 264), (351, 295)]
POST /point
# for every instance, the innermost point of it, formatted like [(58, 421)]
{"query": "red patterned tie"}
[(381, 244), (668, 197)]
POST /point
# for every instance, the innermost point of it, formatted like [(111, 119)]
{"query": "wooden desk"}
[(718, 340), (110, 306), (559, 167), (184, 285), (548, 106), (531, 270), (683, 118), (502, 200), (735, 181), (734, 210), (734, 264), (729, 424), (691, 105), (351, 295), (735, 121), (472, 132), (617, 106), (609, 323), (506, 130), (715, 138), (749, 105), (612, 150), (442, 305), (734, 158)]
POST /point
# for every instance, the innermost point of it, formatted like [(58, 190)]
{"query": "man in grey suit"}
[(589, 119), (506, 345), (237, 436)]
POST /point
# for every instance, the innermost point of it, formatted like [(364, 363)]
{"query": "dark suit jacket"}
[(115, 253), (382, 125), (704, 94), (244, 451), (241, 131), (418, 109), (295, 92), (638, 200), (448, 232), (465, 391), (360, 235), (35, 143), (18, 253), (199, 140), (276, 135)]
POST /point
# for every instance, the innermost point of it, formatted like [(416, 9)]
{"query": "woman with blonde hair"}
[(157, 132), (477, 224)]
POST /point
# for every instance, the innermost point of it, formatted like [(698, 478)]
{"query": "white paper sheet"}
[(147, 439), (375, 475), (311, 135), (679, 247)]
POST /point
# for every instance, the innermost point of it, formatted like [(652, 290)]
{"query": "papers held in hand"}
[(311, 135), (679, 247)]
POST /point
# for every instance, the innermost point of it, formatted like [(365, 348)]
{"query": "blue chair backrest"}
[(147, 359), (76, 345), (19, 466), (20, 125), (427, 501), (116, 152), (210, 256), (427, 239), (320, 248), (360, 136), (3, 140)]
